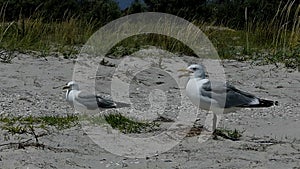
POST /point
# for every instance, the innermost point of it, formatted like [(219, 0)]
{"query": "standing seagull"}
[(76, 98), (218, 97)]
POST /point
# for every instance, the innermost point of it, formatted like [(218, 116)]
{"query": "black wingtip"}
[(102, 103), (267, 103), (121, 105), (263, 103)]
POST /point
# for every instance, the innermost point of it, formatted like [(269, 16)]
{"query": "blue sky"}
[(124, 3)]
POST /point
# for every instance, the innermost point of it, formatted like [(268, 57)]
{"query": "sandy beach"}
[(271, 137)]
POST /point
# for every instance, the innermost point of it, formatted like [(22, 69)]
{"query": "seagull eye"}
[(194, 69)]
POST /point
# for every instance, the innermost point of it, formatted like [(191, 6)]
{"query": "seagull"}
[(75, 97), (218, 97)]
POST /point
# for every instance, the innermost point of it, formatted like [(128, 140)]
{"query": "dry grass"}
[(278, 39)]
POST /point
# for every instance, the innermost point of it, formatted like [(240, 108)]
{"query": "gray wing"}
[(94, 101), (226, 95)]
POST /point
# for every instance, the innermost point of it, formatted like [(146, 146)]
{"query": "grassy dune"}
[(270, 42)]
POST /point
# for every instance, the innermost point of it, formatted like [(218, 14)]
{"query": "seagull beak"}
[(66, 87), (55, 87), (186, 72)]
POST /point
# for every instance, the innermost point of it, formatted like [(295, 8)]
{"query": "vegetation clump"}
[(233, 135), (127, 125), (28, 130)]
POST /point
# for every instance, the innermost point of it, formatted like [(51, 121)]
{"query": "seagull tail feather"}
[(105, 103), (262, 103), (265, 103)]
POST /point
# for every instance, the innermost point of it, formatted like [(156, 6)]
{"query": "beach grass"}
[(122, 123), (233, 135), (28, 125), (270, 42)]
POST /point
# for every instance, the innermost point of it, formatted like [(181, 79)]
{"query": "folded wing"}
[(228, 96), (92, 102)]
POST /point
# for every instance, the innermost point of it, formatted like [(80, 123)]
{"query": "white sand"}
[(271, 138)]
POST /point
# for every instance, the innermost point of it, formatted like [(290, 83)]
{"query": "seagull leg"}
[(215, 120), (209, 127), (211, 122)]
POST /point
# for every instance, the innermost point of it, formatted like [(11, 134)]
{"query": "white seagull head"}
[(194, 71), (72, 85)]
